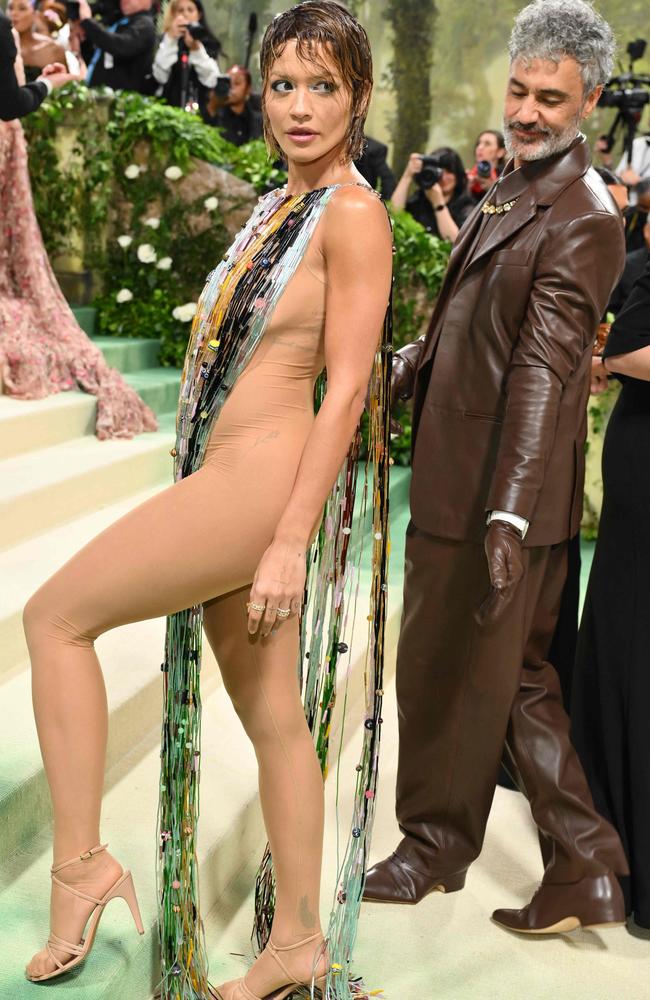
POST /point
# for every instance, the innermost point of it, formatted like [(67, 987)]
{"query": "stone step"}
[(86, 317), (44, 488), (32, 424), (158, 387), (129, 354)]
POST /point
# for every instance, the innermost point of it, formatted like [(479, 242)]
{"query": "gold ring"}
[(284, 612), (255, 607)]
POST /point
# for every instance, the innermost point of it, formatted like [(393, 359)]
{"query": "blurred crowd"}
[(115, 44)]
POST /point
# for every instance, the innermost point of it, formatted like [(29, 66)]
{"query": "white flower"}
[(146, 253), (211, 203), (132, 171), (164, 264), (184, 313), (153, 222), (173, 173), (124, 295), (125, 241)]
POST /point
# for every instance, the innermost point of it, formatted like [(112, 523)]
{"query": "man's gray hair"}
[(551, 29)]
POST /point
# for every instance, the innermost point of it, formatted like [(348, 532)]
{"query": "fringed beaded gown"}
[(43, 350), (246, 409)]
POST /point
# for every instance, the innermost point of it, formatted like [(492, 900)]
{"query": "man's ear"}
[(592, 101)]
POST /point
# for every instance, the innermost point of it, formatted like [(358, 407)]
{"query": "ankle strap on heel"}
[(298, 944), (86, 856)]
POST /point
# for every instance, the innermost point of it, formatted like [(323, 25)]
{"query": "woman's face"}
[(188, 11), (487, 148), (308, 105), (447, 182), (21, 14)]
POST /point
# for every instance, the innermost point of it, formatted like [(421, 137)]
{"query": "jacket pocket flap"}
[(518, 258)]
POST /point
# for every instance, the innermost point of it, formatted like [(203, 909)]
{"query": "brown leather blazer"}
[(502, 384)]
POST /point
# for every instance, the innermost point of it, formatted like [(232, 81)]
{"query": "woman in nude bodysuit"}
[(232, 536)]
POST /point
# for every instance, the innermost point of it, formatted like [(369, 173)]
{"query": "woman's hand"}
[(435, 195), (177, 27), (278, 586), (599, 376), (413, 166), (190, 42)]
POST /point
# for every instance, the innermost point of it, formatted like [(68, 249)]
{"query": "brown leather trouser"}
[(468, 695)]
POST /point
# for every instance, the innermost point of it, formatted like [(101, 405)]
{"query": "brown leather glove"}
[(506, 566), (402, 383)]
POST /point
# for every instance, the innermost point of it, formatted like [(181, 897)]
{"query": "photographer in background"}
[(639, 168), (186, 61), (489, 154), (441, 203), (233, 113), (373, 165), (637, 216), (118, 56)]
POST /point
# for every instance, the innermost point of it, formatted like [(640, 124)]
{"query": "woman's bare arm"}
[(636, 364), (357, 245)]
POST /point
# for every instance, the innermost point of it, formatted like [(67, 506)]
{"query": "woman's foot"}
[(280, 964), (68, 913)]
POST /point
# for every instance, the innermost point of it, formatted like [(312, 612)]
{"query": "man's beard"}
[(553, 141)]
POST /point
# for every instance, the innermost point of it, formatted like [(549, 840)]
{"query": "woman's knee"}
[(44, 618)]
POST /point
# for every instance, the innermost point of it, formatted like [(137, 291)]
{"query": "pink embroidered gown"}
[(43, 349)]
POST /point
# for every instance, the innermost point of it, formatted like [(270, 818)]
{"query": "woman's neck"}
[(302, 177)]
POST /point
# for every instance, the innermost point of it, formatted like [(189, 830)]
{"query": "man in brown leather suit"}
[(500, 386)]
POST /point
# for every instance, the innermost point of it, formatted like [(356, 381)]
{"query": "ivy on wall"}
[(106, 173)]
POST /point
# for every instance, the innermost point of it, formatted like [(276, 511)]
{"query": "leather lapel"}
[(455, 263), (465, 238), (505, 226)]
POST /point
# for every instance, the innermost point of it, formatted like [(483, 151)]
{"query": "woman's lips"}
[(302, 138)]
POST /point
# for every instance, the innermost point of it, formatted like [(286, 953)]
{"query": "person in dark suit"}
[(235, 114), (373, 165), (611, 686), (16, 101), (635, 265), (500, 387), (120, 55)]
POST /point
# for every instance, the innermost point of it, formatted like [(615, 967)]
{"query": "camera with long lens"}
[(196, 30), (484, 168), (430, 172), (628, 93)]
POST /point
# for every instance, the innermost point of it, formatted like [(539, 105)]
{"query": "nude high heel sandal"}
[(238, 989), (123, 888)]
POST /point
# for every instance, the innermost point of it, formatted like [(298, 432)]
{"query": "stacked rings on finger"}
[(284, 612), (256, 607)]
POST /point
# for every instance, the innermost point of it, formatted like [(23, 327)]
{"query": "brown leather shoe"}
[(594, 901), (395, 881)]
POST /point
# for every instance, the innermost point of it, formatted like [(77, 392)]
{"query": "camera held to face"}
[(430, 174)]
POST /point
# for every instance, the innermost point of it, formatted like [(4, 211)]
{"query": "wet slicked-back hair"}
[(323, 26)]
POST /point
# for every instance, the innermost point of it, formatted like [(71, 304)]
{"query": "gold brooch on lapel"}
[(490, 209)]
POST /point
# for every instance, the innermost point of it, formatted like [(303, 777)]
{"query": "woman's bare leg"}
[(179, 549), (261, 677)]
